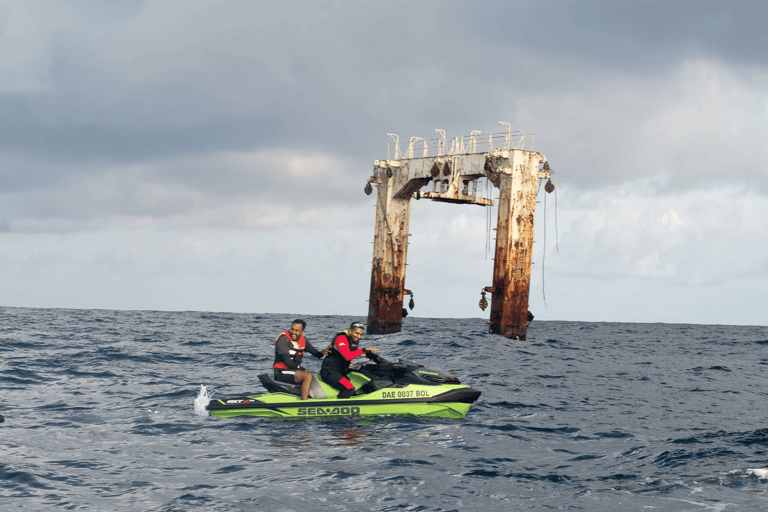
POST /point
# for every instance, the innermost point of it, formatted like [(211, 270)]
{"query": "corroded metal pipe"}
[(514, 248), (390, 250)]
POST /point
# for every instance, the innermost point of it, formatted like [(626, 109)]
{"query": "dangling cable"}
[(488, 217), (557, 246), (544, 252), (486, 230), (488, 210)]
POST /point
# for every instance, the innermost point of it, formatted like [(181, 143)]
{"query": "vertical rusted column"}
[(514, 246), (390, 248)]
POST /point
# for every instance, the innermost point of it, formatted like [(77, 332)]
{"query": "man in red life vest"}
[(289, 351), (344, 349)]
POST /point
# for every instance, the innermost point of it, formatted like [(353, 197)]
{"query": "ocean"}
[(99, 415)]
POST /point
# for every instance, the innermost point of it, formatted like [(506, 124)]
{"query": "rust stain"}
[(385, 307), (388, 266), (511, 278)]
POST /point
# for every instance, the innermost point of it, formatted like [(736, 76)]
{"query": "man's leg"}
[(348, 388), (338, 381), (304, 378)]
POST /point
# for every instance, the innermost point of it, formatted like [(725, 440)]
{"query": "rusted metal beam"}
[(514, 245), (390, 250)]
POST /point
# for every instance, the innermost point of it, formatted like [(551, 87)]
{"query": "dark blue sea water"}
[(99, 415)]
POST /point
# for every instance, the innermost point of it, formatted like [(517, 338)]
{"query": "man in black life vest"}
[(343, 350), (289, 351)]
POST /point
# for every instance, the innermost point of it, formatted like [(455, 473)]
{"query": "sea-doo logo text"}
[(319, 411)]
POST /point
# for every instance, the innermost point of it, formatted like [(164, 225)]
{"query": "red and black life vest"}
[(352, 348), (296, 352)]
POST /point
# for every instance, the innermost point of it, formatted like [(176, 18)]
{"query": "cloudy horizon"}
[(211, 156)]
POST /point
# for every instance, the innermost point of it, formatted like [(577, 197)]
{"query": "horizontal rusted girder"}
[(456, 198)]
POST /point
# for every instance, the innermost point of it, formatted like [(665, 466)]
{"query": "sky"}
[(211, 155)]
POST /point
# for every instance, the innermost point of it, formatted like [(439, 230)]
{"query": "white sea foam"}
[(759, 473), (201, 401)]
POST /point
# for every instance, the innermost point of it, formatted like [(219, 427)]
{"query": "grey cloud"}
[(648, 34), (20, 174), (122, 134), (220, 189), (148, 97), (222, 75)]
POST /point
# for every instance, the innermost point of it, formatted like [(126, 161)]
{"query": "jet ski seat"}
[(276, 386)]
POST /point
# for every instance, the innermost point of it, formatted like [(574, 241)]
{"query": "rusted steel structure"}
[(454, 175)]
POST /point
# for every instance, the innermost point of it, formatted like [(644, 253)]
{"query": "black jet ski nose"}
[(464, 395)]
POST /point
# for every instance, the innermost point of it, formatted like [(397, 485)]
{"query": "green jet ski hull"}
[(446, 404), (401, 389)]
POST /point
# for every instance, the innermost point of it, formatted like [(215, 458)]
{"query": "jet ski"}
[(402, 388)]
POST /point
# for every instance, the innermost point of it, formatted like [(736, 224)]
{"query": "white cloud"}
[(286, 271), (259, 189), (689, 238), (704, 124)]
